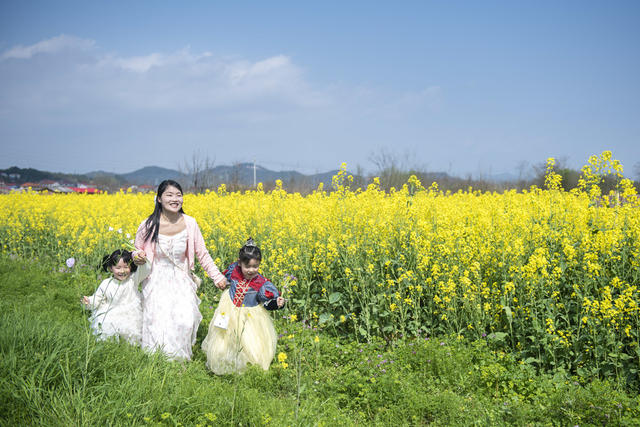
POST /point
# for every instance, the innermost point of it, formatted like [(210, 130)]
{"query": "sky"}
[(472, 88)]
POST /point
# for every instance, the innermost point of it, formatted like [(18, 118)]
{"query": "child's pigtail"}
[(104, 265)]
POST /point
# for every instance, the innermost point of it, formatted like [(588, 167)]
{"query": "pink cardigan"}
[(195, 245)]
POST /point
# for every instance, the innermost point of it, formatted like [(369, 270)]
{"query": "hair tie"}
[(250, 242)]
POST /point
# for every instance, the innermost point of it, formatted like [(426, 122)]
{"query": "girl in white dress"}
[(170, 304), (116, 305)]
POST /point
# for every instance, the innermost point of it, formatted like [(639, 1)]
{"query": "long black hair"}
[(112, 259), (152, 225), (249, 251)]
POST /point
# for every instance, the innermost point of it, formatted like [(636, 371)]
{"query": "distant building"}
[(58, 188), (34, 186), (87, 190), (146, 188)]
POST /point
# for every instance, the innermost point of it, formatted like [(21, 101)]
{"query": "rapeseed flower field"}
[(549, 275)]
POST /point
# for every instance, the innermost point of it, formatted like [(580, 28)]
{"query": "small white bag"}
[(221, 320)]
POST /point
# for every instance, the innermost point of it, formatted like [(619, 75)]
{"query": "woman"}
[(170, 305)]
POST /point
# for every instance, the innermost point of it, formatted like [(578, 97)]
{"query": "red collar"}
[(255, 283)]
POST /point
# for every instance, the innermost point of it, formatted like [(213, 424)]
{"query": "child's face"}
[(250, 268), (171, 199), (121, 271)]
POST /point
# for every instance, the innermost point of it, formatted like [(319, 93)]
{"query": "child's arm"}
[(271, 297), (97, 298), (142, 272), (274, 304)]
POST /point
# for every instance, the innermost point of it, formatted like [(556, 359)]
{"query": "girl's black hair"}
[(115, 257), (152, 225), (249, 251)]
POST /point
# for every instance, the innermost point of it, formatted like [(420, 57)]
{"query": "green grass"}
[(53, 372)]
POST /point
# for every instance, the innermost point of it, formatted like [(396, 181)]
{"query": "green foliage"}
[(53, 372)]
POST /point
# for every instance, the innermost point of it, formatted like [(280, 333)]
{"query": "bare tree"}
[(199, 171), (394, 169), (235, 179), (359, 178)]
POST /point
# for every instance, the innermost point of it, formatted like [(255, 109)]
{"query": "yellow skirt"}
[(249, 338)]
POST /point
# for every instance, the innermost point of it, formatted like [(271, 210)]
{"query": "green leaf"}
[(507, 311), (497, 336), (324, 318), (334, 297)]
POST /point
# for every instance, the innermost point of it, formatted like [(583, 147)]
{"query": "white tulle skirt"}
[(170, 312), (250, 338)]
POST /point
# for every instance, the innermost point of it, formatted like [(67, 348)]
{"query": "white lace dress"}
[(117, 309), (170, 304)]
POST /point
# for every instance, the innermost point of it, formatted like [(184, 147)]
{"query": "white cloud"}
[(268, 104), (241, 72), (52, 45), (140, 64), (181, 80)]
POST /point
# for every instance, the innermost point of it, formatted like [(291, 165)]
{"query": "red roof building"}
[(88, 190)]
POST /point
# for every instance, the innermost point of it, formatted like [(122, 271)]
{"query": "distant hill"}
[(242, 174), (153, 175), (107, 179), (239, 175), (20, 176), (149, 175)]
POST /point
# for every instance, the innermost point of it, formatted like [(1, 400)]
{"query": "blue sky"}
[(469, 88)]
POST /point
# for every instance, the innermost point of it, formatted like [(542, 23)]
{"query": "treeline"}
[(395, 177), (200, 175)]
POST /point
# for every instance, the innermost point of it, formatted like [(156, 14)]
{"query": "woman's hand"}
[(222, 284), (280, 301), (85, 300), (139, 257)]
